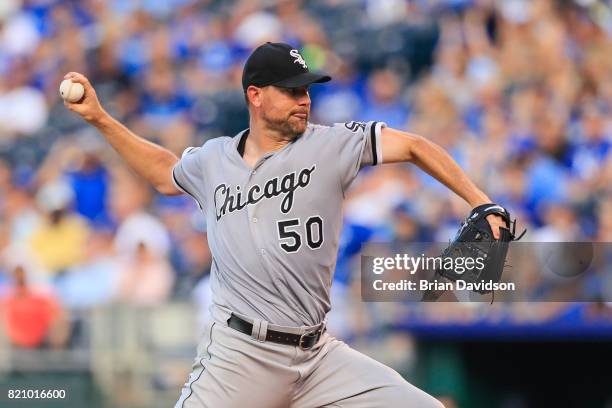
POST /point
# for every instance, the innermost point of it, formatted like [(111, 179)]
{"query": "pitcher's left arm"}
[(400, 146)]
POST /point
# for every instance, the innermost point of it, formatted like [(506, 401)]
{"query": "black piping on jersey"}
[(373, 143), (242, 142), (201, 364), (185, 190)]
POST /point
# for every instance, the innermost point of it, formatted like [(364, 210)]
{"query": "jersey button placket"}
[(253, 228), (251, 214)]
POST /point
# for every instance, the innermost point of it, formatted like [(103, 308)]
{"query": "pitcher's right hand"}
[(89, 106)]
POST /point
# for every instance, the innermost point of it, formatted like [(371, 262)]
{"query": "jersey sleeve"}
[(356, 145), (188, 174)]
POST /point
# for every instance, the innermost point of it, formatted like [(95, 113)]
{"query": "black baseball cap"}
[(280, 65)]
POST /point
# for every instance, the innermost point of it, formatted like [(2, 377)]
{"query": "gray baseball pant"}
[(235, 370)]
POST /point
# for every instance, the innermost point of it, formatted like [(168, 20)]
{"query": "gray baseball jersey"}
[(273, 230)]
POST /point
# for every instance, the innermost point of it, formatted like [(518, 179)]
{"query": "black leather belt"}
[(304, 341)]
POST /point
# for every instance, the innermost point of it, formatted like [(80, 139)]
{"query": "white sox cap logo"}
[(298, 58)]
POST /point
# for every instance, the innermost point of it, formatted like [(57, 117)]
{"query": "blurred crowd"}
[(518, 91)]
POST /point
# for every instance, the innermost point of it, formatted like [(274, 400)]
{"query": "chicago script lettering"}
[(228, 199)]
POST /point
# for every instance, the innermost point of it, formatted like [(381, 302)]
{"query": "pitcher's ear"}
[(253, 95)]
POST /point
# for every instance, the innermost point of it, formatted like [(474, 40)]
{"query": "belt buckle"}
[(301, 342)]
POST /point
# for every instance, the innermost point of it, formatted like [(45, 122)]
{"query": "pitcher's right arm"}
[(152, 162)]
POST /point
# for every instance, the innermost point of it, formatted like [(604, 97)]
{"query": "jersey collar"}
[(242, 142), (239, 143)]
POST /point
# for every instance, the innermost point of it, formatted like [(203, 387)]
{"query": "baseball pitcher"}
[(272, 197)]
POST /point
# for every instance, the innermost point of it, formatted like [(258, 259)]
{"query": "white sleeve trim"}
[(378, 140)]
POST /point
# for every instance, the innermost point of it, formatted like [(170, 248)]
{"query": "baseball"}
[(71, 91)]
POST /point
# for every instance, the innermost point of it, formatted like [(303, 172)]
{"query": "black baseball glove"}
[(475, 241)]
